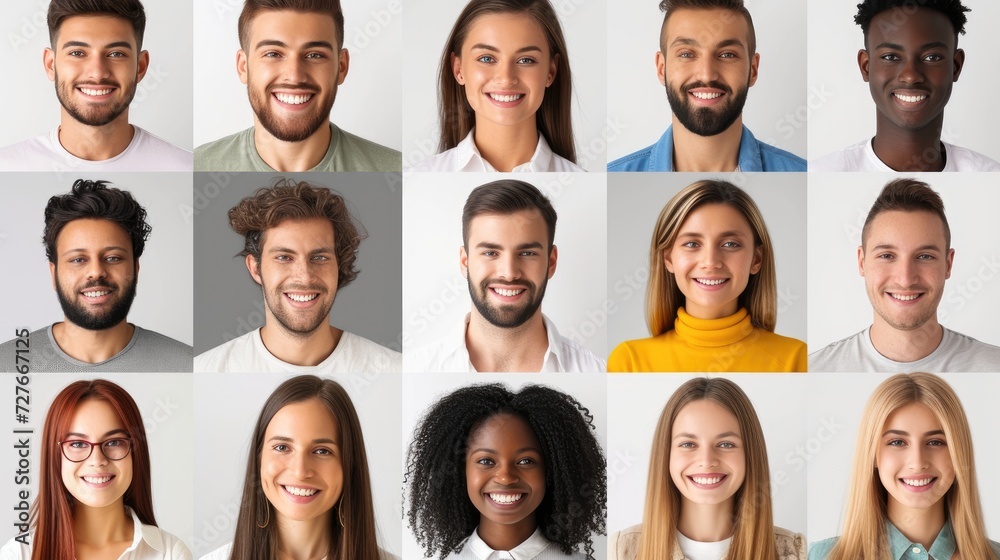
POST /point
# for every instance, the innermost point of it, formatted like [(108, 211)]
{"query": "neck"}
[(92, 346), (906, 346), (707, 153), (706, 522), (919, 525), (506, 147), (299, 349), (99, 527), (304, 540), (506, 537), (910, 150), (291, 156), (493, 348), (95, 143)]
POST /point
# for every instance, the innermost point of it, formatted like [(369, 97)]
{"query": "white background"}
[(841, 110), (436, 294), (368, 102), (428, 23), (838, 205), (637, 102), (162, 103)]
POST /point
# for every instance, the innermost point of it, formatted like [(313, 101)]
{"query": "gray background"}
[(635, 201), (165, 402), (422, 391), (163, 297), (226, 407), (162, 103), (837, 211), (228, 303), (634, 406), (637, 103), (428, 23)]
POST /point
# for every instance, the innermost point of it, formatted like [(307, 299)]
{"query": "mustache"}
[(99, 284), (306, 86), (715, 85)]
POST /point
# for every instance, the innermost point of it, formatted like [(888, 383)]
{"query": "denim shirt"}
[(942, 548), (754, 156)]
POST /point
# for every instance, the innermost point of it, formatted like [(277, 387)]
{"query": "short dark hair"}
[(951, 8), (252, 7), (93, 199), (507, 196), (668, 7), (291, 200), (907, 195), (130, 10)]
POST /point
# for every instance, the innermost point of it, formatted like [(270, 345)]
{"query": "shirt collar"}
[(942, 548), (148, 533), (527, 550), (552, 361), (749, 158), (467, 155)]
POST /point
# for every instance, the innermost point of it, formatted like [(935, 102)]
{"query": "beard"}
[(98, 115), (298, 323), (291, 129), (706, 121), (80, 316), (507, 316)]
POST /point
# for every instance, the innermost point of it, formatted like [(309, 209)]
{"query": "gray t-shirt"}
[(347, 152), (148, 351), (956, 353)]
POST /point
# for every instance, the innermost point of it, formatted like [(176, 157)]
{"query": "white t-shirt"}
[(223, 552), (148, 543), (695, 550), (537, 547), (144, 153), (466, 157), (956, 353), (451, 355), (247, 354), (861, 157)]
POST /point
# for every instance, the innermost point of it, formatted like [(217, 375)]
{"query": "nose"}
[(508, 267), (706, 456), (301, 465), (911, 72), (294, 70), (506, 474), (917, 458), (97, 457), (706, 69), (710, 257), (906, 273), (95, 269), (97, 68), (505, 74)]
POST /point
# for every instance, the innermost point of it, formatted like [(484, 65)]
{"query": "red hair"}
[(52, 512)]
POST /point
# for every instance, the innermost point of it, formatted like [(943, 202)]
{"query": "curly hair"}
[(291, 200), (954, 9), (93, 199), (440, 512)]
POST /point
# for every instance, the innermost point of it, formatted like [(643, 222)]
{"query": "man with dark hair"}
[(94, 236), (96, 60), (707, 62), (292, 60), (300, 246), (910, 60), (905, 257), (507, 257)]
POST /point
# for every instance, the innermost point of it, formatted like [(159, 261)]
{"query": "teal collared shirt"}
[(942, 548)]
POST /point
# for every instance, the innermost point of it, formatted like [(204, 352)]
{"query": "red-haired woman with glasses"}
[(94, 498)]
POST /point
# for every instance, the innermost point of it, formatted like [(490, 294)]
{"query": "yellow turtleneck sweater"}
[(711, 345)]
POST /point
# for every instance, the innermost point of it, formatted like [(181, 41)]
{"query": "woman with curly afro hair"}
[(491, 469)]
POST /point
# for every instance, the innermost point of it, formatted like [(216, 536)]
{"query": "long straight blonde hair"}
[(864, 534), (753, 526)]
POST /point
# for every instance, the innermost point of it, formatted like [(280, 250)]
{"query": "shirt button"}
[(916, 550)]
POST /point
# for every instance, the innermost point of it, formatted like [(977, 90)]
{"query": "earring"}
[(266, 519)]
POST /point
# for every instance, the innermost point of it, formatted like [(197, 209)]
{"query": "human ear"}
[(241, 65), (553, 257), (253, 266), (463, 261), (949, 260), (553, 68), (661, 68), (344, 60), (861, 261), (758, 260), (142, 66), (754, 64), (666, 261), (957, 64), (456, 68), (49, 62), (863, 63)]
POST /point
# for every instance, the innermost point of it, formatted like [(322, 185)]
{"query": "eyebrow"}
[(290, 440), (84, 250), (730, 233), (925, 46), (491, 48), (318, 251), (282, 44), (889, 246), (85, 436), (495, 452), (732, 42), (497, 246), (720, 436), (115, 45), (905, 433)]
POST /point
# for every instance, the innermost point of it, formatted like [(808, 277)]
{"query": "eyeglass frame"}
[(92, 444)]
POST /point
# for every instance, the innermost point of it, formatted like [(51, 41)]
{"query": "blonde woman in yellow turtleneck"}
[(711, 301)]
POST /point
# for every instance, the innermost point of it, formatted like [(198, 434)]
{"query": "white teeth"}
[(293, 99), (905, 298), (506, 98), (706, 480), (505, 498), (507, 293), (303, 492), (302, 299), (90, 91), (710, 282), (703, 95), (921, 482), (96, 480), (96, 294), (910, 98)]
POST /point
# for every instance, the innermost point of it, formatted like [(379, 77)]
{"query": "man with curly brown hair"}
[(300, 246)]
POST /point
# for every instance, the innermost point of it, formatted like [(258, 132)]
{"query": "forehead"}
[(713, 217), (915, 418), (707, 27), (93, 234), (906, 228), (705, 416), (504, 429), (308, 419), (292, 27), (501, 29), (95, 30), (911, 27), (523, 226), (94, 417), (305, 235)]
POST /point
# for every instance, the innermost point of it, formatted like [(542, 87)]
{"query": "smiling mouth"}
[(293, 99), (909, 98), (505, 98), (96, 479), (301, 298), (901, 297), (706, 95), (711, 282), (505, 499), (96, 293), (508, 292), (95, 92), (300, 492), (708, 480)]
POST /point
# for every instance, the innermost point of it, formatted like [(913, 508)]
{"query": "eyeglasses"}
[(78, 450)]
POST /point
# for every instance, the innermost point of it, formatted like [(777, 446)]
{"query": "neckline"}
[(713, 333)]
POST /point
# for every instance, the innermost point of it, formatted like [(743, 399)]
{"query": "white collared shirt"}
[(451, 355), (148, 543), (466, 157), (537, 547)]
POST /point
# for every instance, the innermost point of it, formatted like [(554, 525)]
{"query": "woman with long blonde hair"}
[(913, 482), (708, 495)]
